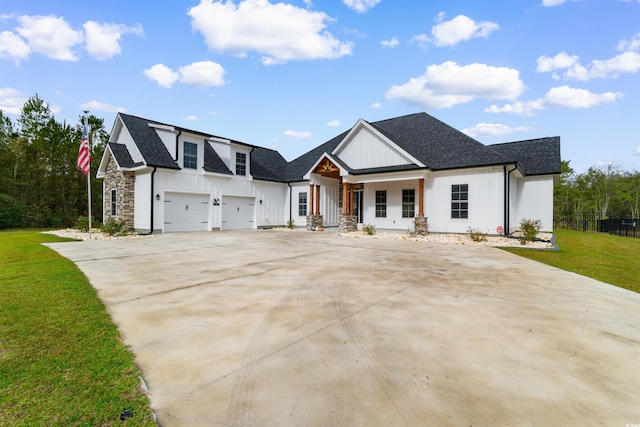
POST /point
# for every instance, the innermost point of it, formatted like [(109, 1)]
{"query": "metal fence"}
[(591, 222)]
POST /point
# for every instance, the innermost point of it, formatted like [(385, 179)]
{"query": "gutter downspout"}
[(152, 200), (177, 144), (290, 201)]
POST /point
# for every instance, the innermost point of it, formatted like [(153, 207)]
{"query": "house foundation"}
[(348, 223)]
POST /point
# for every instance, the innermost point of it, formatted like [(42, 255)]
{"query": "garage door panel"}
[(238, 213), (186, 212)]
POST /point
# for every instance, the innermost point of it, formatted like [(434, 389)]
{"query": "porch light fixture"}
[(260, 201), (158, 197)]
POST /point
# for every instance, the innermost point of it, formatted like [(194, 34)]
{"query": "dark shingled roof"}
[(148, 142), (436, 144), (213, 162), (535, 156), (268, 165), (122, 155), (300, 166)]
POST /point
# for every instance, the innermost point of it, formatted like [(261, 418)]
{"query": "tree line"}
[(40, 185), (607, 192)]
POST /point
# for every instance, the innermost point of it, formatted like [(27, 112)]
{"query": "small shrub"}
[(82, 224), (477, 235), (370, 229), (530, 229), (290, 224), (114, 227)]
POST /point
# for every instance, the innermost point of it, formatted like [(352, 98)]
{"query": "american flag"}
[(84, 156)]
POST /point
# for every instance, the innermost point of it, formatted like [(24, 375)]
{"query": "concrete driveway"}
[(274, 328)]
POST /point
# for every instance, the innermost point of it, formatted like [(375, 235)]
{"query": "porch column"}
[(317, 200), (311, 199), (421, 197), (420, 222), (351, 188), (345, 198)]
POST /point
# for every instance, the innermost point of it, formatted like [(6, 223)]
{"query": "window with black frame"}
[(241, 164), (190, 158), (302, 204), (381, 204), (114, 201), (460, 201), (409, 203)]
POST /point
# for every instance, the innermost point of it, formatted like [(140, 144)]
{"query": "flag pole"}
[(86, 124)]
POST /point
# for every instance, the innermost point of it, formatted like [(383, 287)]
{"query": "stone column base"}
[(420, 223), (348, 223), (314, 222)]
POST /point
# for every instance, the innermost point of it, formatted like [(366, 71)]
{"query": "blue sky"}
[(292, 75)]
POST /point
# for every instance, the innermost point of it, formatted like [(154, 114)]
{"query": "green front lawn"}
[(611, 259), (61, 358)]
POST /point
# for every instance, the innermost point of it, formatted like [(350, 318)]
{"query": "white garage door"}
[(237, 213), (186, 212)]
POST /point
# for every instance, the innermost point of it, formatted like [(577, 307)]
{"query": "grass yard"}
[(62, 361), (611, 259)]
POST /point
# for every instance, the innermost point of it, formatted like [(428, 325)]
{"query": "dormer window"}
[(190, 158), (241, 164)]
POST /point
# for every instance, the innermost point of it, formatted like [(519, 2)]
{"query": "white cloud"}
[(560, 61), (295, 134), (392, 42), (50, 36), (459, 29), (633, 44), (190, 118), (202, 74), (376, 105), (557, 97), (626, 62), (334, 123), (11, 101), (421, 39), (279, 32), (13, 47), (360, 6), (551, 3), (102, 106), (448, 84), (162, 74), (103, 40), (493, 129), (637, 152)]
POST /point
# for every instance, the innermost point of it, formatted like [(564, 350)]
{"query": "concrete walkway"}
[(275, 328)]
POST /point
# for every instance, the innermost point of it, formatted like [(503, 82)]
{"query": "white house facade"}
[(408, 173)]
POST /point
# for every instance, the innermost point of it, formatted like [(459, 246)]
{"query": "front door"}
[(358, 204)]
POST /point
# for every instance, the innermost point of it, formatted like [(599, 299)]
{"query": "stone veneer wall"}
[(348, 223), (314, 221), (124, 183), (421, 225)]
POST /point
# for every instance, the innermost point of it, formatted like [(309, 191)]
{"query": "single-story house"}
[(408, 173)]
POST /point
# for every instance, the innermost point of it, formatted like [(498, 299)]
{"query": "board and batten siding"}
[(272, 212), (486, 200), (394, 219), (367, 150), (329, 202), (142, 204), (534, 201)]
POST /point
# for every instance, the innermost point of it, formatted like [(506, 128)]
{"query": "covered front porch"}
[(393, 200)]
